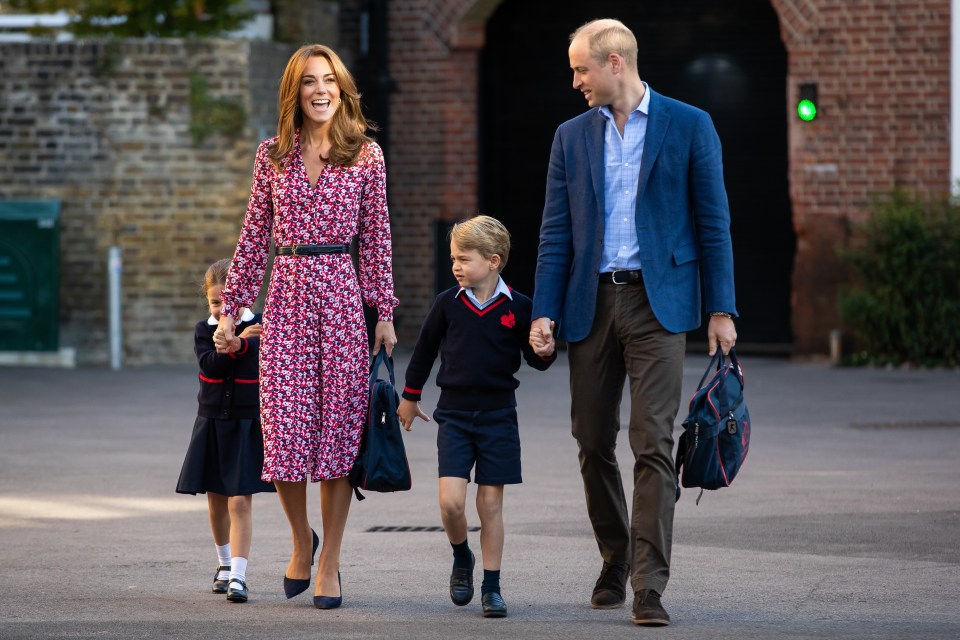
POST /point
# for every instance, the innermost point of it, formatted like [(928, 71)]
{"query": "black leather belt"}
[(621, 277), (312, 249)]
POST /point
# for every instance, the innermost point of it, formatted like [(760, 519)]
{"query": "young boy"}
[(480, 328)]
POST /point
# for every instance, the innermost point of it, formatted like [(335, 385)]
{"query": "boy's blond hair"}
[(485, 234)]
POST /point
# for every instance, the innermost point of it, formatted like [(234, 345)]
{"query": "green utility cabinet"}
[(29, 275)]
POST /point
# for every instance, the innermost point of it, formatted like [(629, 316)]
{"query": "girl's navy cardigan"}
[(229, 383)]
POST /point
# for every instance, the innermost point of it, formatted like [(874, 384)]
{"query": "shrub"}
[(904, 303)]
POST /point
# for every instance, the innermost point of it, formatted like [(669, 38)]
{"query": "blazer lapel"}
[(658, 121), (595, 160)]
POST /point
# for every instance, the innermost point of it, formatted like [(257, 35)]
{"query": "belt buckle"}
[(293, 249), (613, 277)]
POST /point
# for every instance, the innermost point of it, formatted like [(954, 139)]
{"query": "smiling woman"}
[(316, 185)]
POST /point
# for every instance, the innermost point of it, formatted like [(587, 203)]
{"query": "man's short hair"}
[(606, 36), (485, 234)]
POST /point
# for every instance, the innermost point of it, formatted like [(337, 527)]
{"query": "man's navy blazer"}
[(682, 221)]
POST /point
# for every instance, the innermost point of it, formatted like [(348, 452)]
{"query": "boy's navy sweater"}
[(229, 382), (479, 351)]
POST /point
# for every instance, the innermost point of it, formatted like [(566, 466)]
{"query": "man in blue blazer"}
[(636, 229)]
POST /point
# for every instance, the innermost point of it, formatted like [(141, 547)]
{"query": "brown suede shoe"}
[(610, 591), (648, 611)]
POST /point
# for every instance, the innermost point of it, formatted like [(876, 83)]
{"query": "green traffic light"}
[(806, 110)]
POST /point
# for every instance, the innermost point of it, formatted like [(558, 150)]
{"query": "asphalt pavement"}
[(844, 521)]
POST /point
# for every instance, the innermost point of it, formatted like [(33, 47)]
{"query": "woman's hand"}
[(386, 336), (223, 336)]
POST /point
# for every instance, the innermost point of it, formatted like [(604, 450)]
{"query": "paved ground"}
[(845, 522)]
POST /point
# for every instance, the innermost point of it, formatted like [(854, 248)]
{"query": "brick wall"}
[(432, 165), (883, 70), (884, 83), (105, 128)]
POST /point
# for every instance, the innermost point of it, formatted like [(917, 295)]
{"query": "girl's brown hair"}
[(216, 275), (348, 129)]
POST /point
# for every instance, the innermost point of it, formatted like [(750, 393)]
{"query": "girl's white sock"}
[(238, 569), (223, 558)]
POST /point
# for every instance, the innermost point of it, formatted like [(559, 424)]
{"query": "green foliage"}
[(144, 18), (905, 304), (208, 115)]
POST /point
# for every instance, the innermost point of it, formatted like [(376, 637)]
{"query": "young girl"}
[(225, 456)]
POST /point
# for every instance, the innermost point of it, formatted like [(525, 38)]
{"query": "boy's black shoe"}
[(610, 591), (647, 609), (493, 605), (461, 583)]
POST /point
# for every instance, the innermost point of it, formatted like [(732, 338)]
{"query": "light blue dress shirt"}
[(622, 155), (501, 288)]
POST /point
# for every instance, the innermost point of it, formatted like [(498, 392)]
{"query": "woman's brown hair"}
[(348, 129)]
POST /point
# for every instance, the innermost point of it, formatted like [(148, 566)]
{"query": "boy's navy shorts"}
[(489, 438)]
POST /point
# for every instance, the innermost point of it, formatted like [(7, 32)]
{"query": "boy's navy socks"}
[(491, 582), (461, 555)]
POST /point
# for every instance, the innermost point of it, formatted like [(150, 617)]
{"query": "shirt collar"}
[(246, 316), (501, 288), (643, 107)]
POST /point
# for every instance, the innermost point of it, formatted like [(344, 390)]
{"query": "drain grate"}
[(409, 529), (908, 424)]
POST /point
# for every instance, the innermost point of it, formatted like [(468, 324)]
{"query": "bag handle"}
[(735, 364), (718, 358), (381, 359)]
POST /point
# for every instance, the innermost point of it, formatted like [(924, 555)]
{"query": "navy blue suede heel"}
[(329, 602), (294, 586)]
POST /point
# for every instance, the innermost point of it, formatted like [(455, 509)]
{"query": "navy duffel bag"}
[(716, 433)]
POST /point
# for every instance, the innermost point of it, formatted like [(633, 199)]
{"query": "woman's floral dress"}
[(314, 359)]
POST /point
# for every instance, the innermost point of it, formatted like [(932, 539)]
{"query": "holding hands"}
[(224, 339), (541, 337)]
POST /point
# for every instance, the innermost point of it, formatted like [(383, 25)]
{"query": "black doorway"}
[(726, 58)]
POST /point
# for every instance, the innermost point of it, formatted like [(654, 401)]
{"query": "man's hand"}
[(408, 411), (722, 330)]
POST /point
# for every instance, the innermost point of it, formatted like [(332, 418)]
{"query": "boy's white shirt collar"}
[(246, 316), (501, 288)]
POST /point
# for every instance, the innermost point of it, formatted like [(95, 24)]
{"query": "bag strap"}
[(738, 374), (711, 367), (681, 457), (381, 359), (735, 365), (718, 358)]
